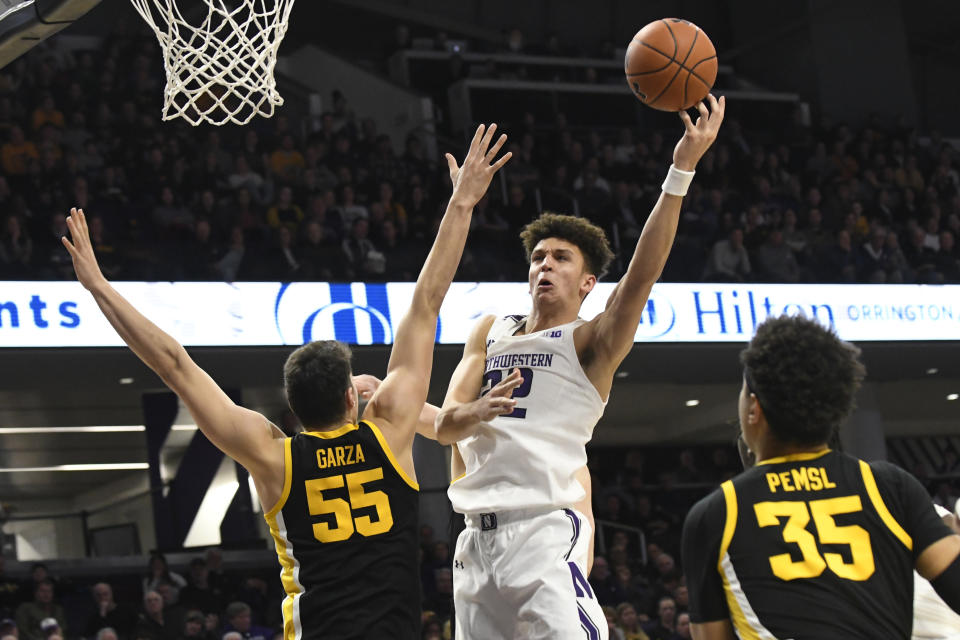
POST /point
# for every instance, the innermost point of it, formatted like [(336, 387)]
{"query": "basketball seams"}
[(692, 71), (680, 65)]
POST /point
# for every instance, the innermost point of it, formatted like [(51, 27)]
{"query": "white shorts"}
[(522, 574)]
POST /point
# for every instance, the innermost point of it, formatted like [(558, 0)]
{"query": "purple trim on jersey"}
[(589, 627), (576, 531)]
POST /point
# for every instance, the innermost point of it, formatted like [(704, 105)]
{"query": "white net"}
[(220, 66)]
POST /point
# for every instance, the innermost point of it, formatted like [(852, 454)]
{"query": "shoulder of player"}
[(477, 342), (890, 478), (711, 509)]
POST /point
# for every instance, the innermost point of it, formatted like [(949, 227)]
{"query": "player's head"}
[(317, 379), (566, 254), (800, 380)]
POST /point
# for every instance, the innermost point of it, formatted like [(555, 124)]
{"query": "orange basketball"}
[(671, 64)]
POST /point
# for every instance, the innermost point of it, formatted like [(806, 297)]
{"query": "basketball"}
[(671, 64)]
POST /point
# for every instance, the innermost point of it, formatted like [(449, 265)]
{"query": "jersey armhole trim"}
[(730, 498), (871, 485), (287, 479), (389, 453)]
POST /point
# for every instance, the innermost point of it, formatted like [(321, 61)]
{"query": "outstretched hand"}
[(81, 250), (471, 180), (499, 400), (700, 135)]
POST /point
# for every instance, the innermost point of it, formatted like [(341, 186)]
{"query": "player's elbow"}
[(173, 366)]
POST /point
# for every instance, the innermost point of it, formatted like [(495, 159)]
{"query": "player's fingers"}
[(704, 113), (495, 149), (477, 137), (502, 161), (714, 105), (487, 137), (452, 165), (687, 122), (67, 245)]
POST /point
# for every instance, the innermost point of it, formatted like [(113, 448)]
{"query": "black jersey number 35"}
[(342, 510)]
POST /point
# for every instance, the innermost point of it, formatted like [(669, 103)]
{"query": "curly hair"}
[(804, 377), (315, 378), (589, 238)]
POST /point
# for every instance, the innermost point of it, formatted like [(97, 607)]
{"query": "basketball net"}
[(221, 70)]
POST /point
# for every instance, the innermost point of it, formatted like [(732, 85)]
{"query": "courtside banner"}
[(63, 314)]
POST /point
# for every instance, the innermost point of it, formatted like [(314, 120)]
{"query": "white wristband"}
[(677, 182)]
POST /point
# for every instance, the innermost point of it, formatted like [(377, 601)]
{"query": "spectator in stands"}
[(728, 261), (603, 583), (840, 262), (775, 260), (10, 593), (234, 261), (107, 613), (152, 624), (239, 619), (440, 601), (284, 212), (199, 594), (873, 258), (895, 265), (403, 259), (169, 217), (362, 259), (349, 210), (287, 162), (244, 177), (393, 210), (17, 154), (946, 261), (664, 627), (628, 589), (629, 622), (283, 262), (623, 212), (16, 249), (50, 629), (689, 471), (683, 627), (159, 572), (43, 606), (106, 634), (8, 629), (320, 258), (613, 629), (194, 627)]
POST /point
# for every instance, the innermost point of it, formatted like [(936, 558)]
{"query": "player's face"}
[(557, 272)]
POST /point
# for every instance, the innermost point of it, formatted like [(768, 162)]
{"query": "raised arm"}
[(400, 398), (610, 334), (244, 435)]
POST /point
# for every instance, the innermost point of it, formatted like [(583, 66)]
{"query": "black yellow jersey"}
[(810, 546), (346, 533)]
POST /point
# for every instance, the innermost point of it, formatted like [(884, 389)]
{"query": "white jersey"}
[(932, 618), (528, 459)]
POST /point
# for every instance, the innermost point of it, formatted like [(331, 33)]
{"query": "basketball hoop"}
[(220, 70)]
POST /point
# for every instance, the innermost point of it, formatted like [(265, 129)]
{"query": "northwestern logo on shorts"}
[(488, 521), (355, 313)]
